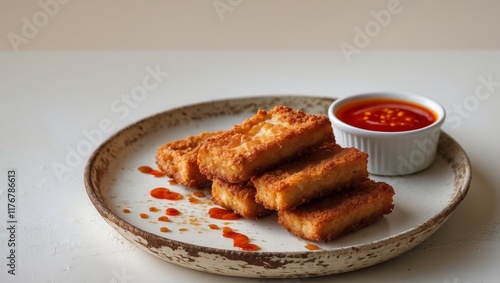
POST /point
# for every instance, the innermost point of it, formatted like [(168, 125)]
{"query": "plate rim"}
[(110, 216)]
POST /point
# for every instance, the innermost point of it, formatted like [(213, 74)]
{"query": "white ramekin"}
[(391, 153)]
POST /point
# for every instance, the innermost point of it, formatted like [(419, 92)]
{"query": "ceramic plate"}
[(423, 201)]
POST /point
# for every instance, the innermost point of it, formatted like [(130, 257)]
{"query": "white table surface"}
[(49, 99)]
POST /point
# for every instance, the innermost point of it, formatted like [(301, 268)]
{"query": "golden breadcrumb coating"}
[(325, 169), (239, 197), (335, 215), (178, 160), (261, 142)]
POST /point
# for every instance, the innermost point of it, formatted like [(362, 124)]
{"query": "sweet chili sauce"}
[(172, 211), (222, 214), (312, 247), (213, 226), (199, 194), (150, 171), (164, 218), (164, 193), (385, 115), (194, 200), (239, 240), (164, 229)]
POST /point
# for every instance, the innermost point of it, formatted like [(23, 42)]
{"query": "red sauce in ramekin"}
[(385, 115)]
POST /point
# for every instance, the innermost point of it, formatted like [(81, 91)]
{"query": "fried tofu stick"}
[(178, 160), (239, 198), (326, 169), (335, 215), (261, 142)]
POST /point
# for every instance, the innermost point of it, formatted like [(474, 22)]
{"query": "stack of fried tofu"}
[(287, 161)]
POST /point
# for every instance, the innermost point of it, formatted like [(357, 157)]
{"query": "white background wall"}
[(243, 24)]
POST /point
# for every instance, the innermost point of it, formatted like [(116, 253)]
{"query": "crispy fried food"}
[(239, 197), (177, 159), (261, 142), (333, 216), (326, 169)]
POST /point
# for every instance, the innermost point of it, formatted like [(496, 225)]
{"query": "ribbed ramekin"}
[(391, 153)]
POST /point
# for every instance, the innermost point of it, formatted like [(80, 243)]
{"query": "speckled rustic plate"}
[(423, 201)]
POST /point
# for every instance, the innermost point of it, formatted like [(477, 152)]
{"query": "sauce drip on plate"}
[(164, 219), (213, 226), (222, 214), (164, 229), (312, 247), (164, 193), (150, 171), (239, 240), (385, 115), (172, 211)]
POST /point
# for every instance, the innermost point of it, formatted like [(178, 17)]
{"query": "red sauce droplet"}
[(213, 226), (172, 211), (199, 194), (385, 115), (223, 214), (144, 215), (312, 247), (164, 193), (164, 229), (145, 169), (164, 219), (183, 229), (150, 171), (250, 247), (194, 200), (154, 209), (239, 240), (173, 182), (125, 210)]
